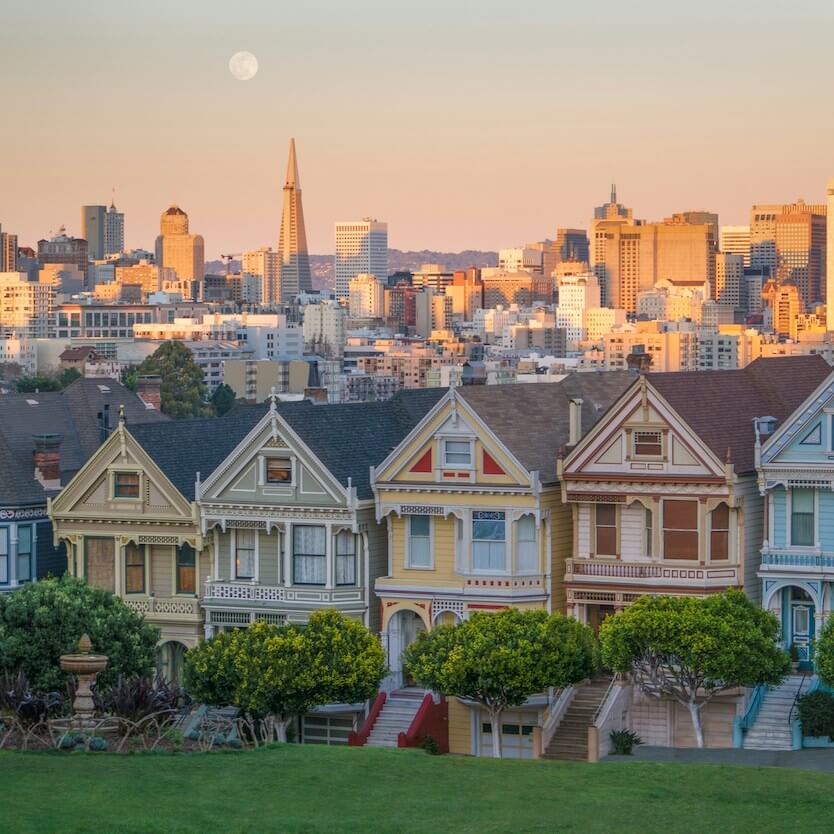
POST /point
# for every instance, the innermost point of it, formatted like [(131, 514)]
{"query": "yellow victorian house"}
[(475, 523)]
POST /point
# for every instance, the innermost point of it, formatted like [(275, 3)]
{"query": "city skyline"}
[(442, 148)]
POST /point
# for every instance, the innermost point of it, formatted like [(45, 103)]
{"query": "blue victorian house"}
[(796, 476)]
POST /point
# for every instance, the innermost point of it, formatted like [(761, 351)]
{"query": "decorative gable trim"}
[(424, 464), (490, 465)]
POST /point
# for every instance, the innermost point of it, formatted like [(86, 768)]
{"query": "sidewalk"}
[(811, 759)]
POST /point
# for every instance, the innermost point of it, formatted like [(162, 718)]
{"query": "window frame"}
[(696, 530), (322, 556), (527, 517), (792, 513), (713, 531), (179, 550), (289, 468), (5, 553), (647, 455), (30, 553), (615, 526), (236, 548), (128, 565), (132, 473), (343, 535), (648, 531), (449, 464), (475, 540), (429, 537)]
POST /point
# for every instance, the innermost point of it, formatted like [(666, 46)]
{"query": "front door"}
[(802, 618)]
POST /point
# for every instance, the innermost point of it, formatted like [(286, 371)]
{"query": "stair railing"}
[(793, 716), (557, 713), (745, 722)]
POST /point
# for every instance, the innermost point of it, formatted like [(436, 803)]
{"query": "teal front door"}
[(802, 631)]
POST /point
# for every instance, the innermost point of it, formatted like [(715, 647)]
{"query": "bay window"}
[(345, 558), (680, 530), (489, 541), (802, 517), (309, 555), (186, 569), (649, 531), (134, 569), (605, 528), (528, 555), (719, 533), (245, 554), (419, 541), (24, 553)]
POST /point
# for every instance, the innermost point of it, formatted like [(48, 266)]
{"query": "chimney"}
[(574, 421), (149, 390), (47, 459), (639, 361), (764, 427)]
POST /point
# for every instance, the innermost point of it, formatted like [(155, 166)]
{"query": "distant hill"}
[(321, 266)]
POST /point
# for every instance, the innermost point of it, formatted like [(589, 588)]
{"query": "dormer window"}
[(648, 444), (126, 485), (278, 471), (457, 453)]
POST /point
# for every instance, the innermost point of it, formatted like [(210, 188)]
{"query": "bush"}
[(43, 620), (816, 713), (824, 653), (137, 697), (431, 746), (17, 698), (623, 742)]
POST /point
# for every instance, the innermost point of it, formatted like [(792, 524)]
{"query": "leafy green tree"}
[(68, 376), (691, 649), (183, 391), (501, 659), (824, 653), (223, 399), (43, 620), (30, 384), (284, 671)]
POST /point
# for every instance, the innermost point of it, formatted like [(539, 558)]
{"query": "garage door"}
[(516, 735), (326, 729)]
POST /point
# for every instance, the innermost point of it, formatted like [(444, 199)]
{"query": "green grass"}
[(293, 788)]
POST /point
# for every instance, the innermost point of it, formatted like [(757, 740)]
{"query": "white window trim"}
[(408, 564), (284, 486), (536, 542), (508, 554), (233, 554), (457, 439), (633, 450), (126, 470), (789, 526)]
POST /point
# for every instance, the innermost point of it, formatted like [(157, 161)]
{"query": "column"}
[(287, 554), (118, 573), (216, 545)]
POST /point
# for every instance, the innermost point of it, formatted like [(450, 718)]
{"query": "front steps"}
[(570, 741), (771, 730), (396, 716)]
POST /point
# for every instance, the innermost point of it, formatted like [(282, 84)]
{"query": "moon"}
[(243, 65)]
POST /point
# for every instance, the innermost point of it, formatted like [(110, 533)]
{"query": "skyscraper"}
[(361, 248), (735, 240), (178, 250), (571, 245), (294, 260), (763, 218), (114, 231), (8, 252), (829, 258), (263, 263), (92, 230)]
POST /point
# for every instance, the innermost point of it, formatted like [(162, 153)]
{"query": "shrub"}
[(623, 742), (137, 697), (816, 713), (431, 746), (43, 620), (17, 698)]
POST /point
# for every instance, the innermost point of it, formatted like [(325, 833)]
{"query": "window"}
[(528, 557), (605, 520), (802, 517), (719, 536), (649, 531), (24, 553), (134, 569), (345, 558), (648, 443), (126, 485), (278, 471), (488, 541), (309, 553), (186, 570), (680, 530), (245, 554), (419, 541), (4, 554), (457, 453)]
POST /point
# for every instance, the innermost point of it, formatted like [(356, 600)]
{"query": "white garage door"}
[(516, 735)]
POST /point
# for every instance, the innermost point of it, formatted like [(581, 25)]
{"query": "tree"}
[(692, 649), (43, 620), (824, 653), (281, 672), (501, 659), (31, 384), (183, 392), (223, 399), (68, 376)]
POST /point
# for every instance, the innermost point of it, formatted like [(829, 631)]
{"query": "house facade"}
[(665, 500), (796, 478), (475, 523)]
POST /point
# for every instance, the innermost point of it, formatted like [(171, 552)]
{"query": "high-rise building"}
[(361, 248), (829, 258), (800, 253), (264, 263), (607, 248), (26, 307), (735, 240), (92, 230), (8, 252), (577, 293), (729, 277), (178, 250), (114, 231), (612, 210), (367, 295), (521, 259), (294, 259), (572, 245), (63, 249), (763, 217), (785, 302)]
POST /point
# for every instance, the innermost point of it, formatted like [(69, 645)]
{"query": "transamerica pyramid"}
[(293, 258)]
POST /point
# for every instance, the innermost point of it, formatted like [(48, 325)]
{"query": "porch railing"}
[(167, 606), (804, 561)]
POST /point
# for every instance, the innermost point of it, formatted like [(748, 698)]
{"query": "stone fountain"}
[(85, 666)]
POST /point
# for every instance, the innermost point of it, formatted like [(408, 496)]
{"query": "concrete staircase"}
[(570, 741), (771, 730), (396, 716)]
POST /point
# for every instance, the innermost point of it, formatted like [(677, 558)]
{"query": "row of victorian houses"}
[(577, 497)]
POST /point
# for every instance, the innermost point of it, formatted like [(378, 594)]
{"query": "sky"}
[(462, 124)]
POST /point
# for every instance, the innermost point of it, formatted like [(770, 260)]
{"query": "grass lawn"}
[(291, 788)]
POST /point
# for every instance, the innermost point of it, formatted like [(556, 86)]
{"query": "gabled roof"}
[(72, 413), (532, 420), (720, 406), (76, 354)]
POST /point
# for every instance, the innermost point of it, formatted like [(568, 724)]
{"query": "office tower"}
[(63, 249), (612, 210), (829, 257), (434, 276), (572, 245), (264, 263), (607, 249), (26, 307), (548, 257), (466, 292), (763, 217), (800, 253), (785, 302), (735, 240), (114, 231), (361, 248), (8, 252), (367, 295), (729, 277), (577, 294), (521, 259), (522, 288), (293, 258), (178, 250), (92, 230)]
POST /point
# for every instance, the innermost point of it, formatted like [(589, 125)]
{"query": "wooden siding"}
[(460, 728), (751, 535), (561, 543)]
